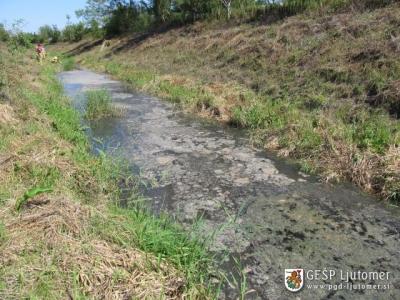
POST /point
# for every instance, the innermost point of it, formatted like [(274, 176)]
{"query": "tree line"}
[(115, 17), (108, 18)]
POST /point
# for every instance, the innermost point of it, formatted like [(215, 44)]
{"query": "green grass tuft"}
[(30, 194), (159, 235), (99, 105), (68, 63)]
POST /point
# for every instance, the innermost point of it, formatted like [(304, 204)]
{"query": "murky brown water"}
[(261, 211)]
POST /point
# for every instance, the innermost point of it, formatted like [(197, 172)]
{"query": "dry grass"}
[(60, 228), (6, 114)]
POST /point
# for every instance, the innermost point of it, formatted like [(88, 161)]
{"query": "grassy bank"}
[(62, 233), (322, 89)]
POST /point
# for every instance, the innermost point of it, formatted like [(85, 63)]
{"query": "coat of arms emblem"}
[(294, 279)]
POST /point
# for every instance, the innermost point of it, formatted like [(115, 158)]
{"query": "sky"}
[(36, 13)]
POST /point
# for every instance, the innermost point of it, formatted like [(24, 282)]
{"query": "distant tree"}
[(116, 16), (197, 9), (49, 34), (96, 10), (4, 35), (95, 30), (55, 34), (162, 9), (44, 33), (18, 39), (73, 32), (120, 16), (124, 18)]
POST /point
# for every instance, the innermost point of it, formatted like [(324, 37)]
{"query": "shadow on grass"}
[(81, 48)]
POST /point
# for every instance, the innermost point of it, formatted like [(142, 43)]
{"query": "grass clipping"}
[(99, 105), (55, 234)]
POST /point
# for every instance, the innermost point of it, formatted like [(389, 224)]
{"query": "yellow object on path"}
[(55, 60)]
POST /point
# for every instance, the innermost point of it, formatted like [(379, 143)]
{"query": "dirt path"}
[(263, 212)]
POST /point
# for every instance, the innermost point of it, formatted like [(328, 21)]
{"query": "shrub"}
[(4, 35), (49, 34), (20, 41), (73, 32), (130, 18), (95, 30)]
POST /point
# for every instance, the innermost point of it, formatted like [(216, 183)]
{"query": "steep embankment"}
[(61, 234), (323, 89)]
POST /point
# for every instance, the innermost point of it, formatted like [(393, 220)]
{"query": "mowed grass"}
[(322, 89), (82, 244)]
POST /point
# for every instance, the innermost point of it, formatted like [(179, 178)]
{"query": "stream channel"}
[(265, 215)]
